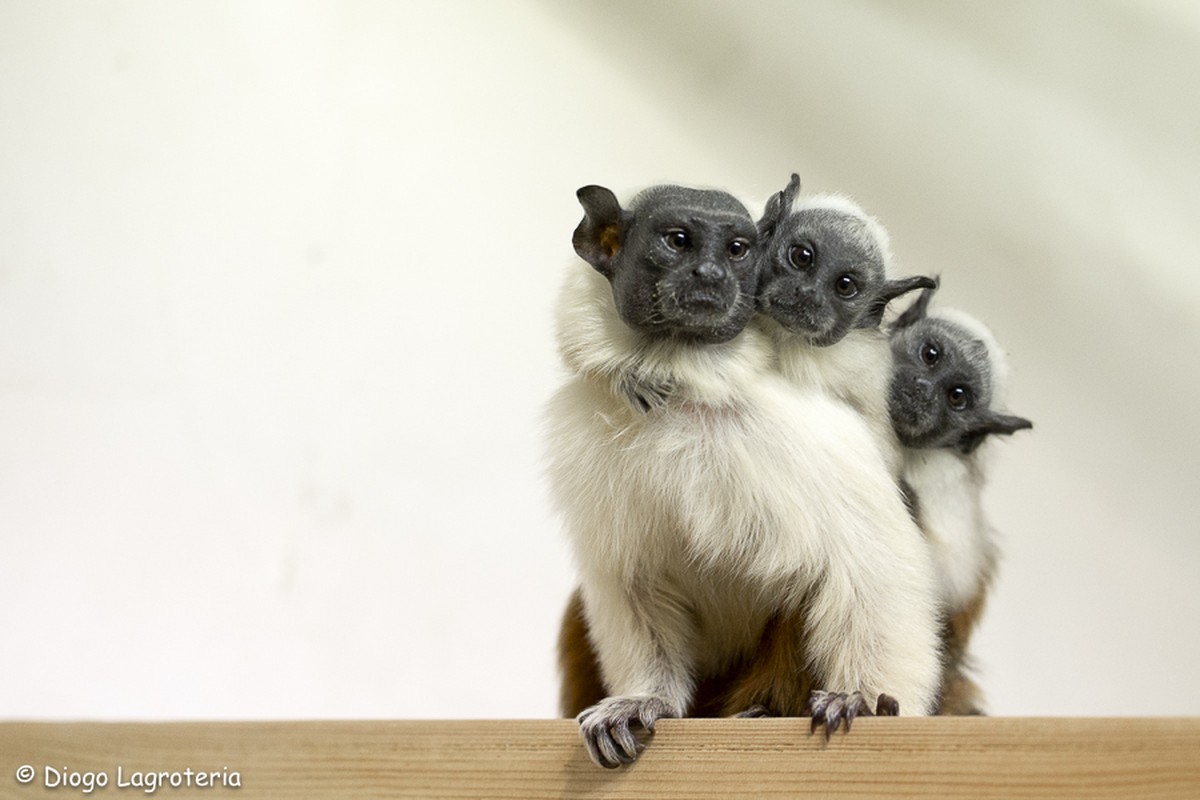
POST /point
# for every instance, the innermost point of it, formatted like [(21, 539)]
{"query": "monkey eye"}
[(802, 255), (846, 287), (738, 249), (931, 354), (959, 397), (677, 239)]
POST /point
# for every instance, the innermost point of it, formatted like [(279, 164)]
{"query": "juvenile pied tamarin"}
[(826, 282), (737, 501), (946, 401)]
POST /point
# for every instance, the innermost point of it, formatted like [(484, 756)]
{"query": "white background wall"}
[(276, 284)]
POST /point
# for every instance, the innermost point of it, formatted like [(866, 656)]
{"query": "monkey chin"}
[(706, 317), (813, 331), (913, 438)]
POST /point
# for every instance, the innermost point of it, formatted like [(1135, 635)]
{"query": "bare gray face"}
[(941, 383), (821, 276), (681, 261), (823, 271), (941, 391)]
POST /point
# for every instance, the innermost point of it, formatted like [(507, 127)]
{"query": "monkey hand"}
[(757, 711), (645, 394), (606, 727), (834, 708)]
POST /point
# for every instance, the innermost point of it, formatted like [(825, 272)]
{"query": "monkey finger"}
[(629, 745), (614, 753), (887, 706), (854, 708), (815, 708), (754, 712), (589, 743), (602, 750), (833, 715), (651, 712)]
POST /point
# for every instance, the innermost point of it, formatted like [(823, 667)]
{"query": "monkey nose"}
[(710, 272), (806, 297), (921, 389)]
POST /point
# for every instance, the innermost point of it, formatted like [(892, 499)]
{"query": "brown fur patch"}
[(578, 666), (960, 695), (775, 675), (772, 675), (610, 239)]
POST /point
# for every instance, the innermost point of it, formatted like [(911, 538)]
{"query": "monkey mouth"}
[(709, 313), (905, 408), (909, 435), (803, 320), (701, 300)]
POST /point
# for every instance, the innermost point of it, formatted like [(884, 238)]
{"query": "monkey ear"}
[(890, 291), (917, 311), (598, 236), (1004, 424), (778, 207)]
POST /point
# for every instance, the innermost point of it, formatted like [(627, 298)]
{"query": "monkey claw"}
[(607, 727), (833, 708)]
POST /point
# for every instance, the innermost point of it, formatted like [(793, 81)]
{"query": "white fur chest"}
[(695, 486)]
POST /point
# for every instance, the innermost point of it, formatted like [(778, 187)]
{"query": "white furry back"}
[(949, 488)]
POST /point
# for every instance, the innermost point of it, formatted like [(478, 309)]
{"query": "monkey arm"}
[(643, 638), (871, 621), (644, 393)]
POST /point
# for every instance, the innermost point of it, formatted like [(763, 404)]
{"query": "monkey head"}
[(824, 268), (947, 380), (681, 261)]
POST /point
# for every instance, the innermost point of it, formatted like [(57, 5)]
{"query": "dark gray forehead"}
[(676, 199)]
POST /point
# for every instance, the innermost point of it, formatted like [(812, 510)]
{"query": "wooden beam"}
[(966, 757)]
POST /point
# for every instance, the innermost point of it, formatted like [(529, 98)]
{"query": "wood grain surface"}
[(967, 757)]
